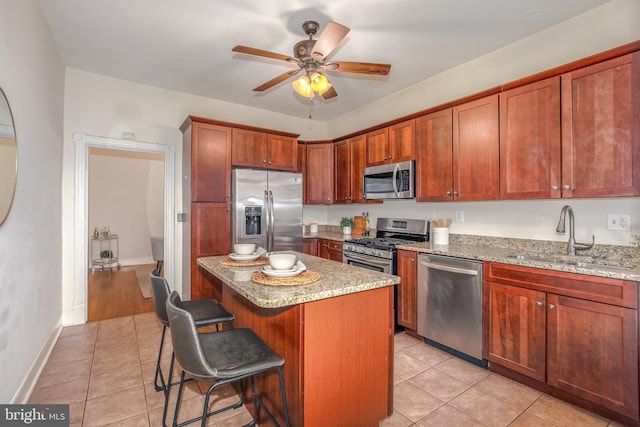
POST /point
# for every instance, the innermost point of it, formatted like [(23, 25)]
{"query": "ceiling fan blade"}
[(330, 93), (276, 80), (359, 67), (265, 53), (332, 34)]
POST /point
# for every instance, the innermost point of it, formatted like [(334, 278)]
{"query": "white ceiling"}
[(185, 45)]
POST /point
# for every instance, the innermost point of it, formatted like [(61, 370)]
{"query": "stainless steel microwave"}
[(390, 181)]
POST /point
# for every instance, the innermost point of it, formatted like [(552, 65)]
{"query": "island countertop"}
[(336, 279)]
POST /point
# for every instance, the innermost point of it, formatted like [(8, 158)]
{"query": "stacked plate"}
[(297, 269), (248, 257)]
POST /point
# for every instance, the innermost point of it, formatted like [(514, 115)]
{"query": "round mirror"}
[(8, 157)]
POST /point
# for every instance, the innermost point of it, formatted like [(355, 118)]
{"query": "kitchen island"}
[(335, 334)]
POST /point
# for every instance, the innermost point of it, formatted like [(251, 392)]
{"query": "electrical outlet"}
[(619, 222), (459, 216)]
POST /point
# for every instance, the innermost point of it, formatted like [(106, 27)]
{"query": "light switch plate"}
[(619, 222)]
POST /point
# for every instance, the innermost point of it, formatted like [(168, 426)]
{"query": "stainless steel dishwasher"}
[(450, 305)]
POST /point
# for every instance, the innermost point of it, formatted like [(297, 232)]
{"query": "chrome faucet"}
[(572, 246)]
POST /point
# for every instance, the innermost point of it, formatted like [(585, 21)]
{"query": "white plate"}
[(298, 268), (249, 257), (281, 273)]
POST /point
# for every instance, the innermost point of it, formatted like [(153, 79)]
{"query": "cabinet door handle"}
[(455, 193), (264, 161), (566, 186), (554, 187), (269, 162), (448, 193), (551, 306), (538, 303)]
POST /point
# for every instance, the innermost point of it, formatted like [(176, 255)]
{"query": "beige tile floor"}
[(104, 370)]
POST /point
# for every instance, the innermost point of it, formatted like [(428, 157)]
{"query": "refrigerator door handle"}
[(273, 220), (268, 218)]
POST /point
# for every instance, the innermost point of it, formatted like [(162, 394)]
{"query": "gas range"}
[(390, 233)]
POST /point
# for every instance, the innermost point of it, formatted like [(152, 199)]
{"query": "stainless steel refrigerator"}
[(267, 209)]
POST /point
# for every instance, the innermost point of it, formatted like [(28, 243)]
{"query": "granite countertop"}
[(335, 279), (618, 262)]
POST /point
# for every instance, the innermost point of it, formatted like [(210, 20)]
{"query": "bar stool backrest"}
[(160, 294), (186, 342)]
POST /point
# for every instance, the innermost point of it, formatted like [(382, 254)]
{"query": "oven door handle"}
[(449, 269), (367, 260)]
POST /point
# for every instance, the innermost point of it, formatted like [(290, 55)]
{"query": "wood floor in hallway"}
[(115, 293)]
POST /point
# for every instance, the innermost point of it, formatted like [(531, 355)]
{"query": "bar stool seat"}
[(224, 357)]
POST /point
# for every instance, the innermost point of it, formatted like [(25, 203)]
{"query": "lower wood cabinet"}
[(210, 232), (576, 334), (407, 289), (330, 249), (310, 246)]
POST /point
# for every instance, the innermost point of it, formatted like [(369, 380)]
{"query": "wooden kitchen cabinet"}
[(206, 191), (406, 305), (575, 334), (207, 161), (392, 144), (319, 174), (264, 150), (476, 150), (530, 141), (330, 249), (458, 153), (601, 129), (210, 228), (310, 246), (434, 157), (349, 163)]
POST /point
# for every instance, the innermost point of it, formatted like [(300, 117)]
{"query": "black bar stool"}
[(224, 357), (205, 312)]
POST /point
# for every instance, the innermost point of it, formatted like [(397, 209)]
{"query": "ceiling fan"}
[(311, 56)]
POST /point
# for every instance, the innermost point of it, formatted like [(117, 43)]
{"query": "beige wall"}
[(32, 77), (126, 194)]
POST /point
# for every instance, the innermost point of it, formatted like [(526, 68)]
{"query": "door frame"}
[(82, 144)]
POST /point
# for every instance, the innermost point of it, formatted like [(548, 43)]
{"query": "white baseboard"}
[(136, 261), (30, 380)]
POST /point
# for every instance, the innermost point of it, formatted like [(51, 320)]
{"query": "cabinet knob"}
[(566, 186), (448, 193), (551, 306), (455, 193), (390, 157), (538, 303), (554, 187), (264, 161), (269, 162), (412, 259)]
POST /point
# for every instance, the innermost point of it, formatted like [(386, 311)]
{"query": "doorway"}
[(81, 232)]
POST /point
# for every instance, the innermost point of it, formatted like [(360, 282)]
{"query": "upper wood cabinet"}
[(476, 150), (601, 129), (530, 141), (207, 162), (457, 152), (434, 157), (319, 174), (264, 150), (349, 164), (391, 144)]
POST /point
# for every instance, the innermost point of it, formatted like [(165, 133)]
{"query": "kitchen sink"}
[(587, 263)]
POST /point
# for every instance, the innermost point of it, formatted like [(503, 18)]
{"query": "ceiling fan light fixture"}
[(320, 83), (302, 85)]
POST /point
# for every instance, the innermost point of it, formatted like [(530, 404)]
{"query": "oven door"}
[(369, 262)]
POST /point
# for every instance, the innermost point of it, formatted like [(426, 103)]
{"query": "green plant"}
[(106, 254), (347, 221)]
